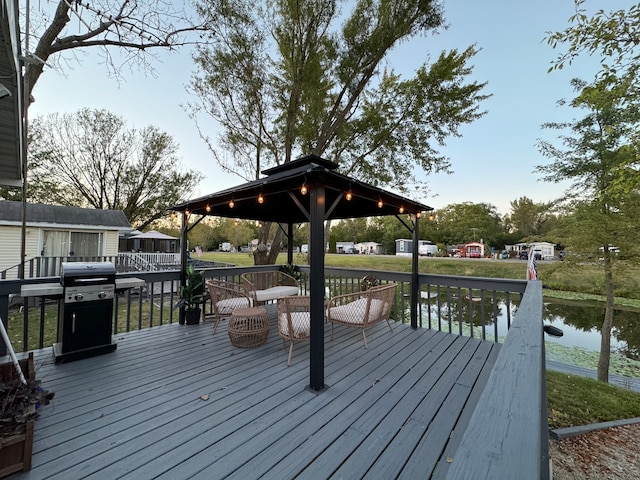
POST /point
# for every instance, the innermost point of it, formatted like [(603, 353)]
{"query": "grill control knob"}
[(79, 296), (102, 295)]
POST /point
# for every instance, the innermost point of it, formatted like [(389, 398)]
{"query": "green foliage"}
[(291, 78), (90, 158), (466, 222), (528, 219), (290, 269), (192, 293), (614, 36)]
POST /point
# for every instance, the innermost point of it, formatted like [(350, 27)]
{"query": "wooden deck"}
[(394, 410)]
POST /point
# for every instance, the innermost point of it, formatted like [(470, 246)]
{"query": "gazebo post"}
[(415, 286), (183, 260), (290, 243), (317, 209)]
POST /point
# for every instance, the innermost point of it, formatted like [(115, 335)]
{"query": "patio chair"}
[(294, 320), (225, 298), (362, 309)]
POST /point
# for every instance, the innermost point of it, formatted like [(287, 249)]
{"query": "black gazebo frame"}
[(327, 195)]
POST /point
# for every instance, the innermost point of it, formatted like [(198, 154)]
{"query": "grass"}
[(573, 401), (140, 316)]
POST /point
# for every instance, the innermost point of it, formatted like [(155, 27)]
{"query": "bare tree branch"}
[(135, 27)]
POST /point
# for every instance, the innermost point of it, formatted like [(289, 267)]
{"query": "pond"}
[(580, 323)]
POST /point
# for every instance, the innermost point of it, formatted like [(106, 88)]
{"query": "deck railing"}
[(513, 425), (124, 262), (476, 307)]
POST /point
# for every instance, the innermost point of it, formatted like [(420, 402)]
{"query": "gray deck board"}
[(395, 409)]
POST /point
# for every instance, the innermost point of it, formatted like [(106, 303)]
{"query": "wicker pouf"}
[(248, 327)]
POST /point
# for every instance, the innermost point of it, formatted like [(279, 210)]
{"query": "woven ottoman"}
[(248, 327)]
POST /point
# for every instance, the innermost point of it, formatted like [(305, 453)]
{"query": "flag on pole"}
[(532, 268)]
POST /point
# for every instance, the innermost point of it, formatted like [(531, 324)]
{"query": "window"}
[(60, 243)]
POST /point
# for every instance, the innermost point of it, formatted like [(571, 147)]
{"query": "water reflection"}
[(580, 322)]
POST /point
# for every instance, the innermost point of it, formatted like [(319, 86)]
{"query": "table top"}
[(249, 312)]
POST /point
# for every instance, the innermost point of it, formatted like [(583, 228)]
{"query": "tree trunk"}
[(262, 255), (607, 325)]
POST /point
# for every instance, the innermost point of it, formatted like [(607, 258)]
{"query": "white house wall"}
[(111, 243), (11, 244)]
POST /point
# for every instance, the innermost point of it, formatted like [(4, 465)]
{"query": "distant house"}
[(56, 231), (543, 250), (345, 247), (369, 248), (404, 247), (474, 250)]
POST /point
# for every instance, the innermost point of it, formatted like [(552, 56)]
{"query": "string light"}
[(303, 189), (401, 209), (380, 204), (208, 208), (231, 204), (349, 195), (260, 199)]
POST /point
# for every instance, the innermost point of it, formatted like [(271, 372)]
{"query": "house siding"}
[(53, 217), (10, 239), (111, 243)]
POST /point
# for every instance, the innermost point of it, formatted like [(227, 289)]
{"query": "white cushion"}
[(228, 305), (274, 293), (301, 322), (354, 312)]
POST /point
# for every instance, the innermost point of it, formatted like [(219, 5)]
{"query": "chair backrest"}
[(267, 279), (288, 307), (385, 294), (223, 290)]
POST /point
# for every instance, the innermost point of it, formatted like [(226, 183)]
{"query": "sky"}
[(495, 159)]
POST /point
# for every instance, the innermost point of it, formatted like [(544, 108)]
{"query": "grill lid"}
[(87, 272)]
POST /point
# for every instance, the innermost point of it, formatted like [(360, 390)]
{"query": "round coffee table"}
[(248, 327)]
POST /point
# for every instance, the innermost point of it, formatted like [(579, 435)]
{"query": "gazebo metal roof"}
[(328, 195), (284, 202)]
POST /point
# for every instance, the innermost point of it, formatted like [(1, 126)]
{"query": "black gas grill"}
[(86, 310)]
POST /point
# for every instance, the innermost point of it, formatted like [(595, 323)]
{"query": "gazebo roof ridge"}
[(307, 160)]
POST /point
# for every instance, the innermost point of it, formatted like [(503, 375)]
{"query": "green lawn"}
[(573, 401)]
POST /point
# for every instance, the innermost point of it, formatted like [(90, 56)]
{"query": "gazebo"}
[(153, 241), (311, 190)]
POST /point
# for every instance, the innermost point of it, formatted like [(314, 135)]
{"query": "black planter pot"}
[(192, 316)]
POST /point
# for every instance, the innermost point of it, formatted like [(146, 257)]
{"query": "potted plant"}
[(18, 411), (191, 296)]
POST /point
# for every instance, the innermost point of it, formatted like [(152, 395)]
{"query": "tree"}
[(466, 222), (283, 79), (614, 36), (597, 154), (137, 29), (527, 218), (91, 158)]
